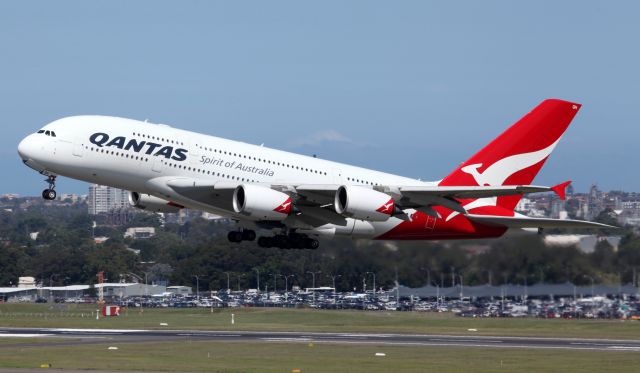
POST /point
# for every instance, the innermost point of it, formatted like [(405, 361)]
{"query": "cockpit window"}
[(41, 131), (48, 133), (53, 134)]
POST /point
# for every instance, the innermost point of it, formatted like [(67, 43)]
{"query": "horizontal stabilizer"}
[(561, 190), (527, 222)]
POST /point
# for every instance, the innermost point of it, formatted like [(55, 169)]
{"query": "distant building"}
[(140, 232), (26, 281), (73, 198), (179, 290), (105, 199), (525, 205)]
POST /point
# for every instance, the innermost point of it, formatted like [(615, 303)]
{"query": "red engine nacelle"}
[(363, 203), (261, 203)]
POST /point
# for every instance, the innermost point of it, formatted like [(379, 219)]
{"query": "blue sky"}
[(407, 87)]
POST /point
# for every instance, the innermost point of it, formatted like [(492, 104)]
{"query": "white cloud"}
[(321, 137)]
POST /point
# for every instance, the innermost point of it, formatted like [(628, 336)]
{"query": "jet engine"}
[(363, 203), (151, 203), (261, 203)]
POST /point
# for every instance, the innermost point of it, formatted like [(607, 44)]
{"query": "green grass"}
[(283, 357), (271, 319), (13, 341), (207, 356), (266, 357)]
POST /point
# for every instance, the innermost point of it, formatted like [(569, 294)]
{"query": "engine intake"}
[(153, 204), (261, 203), (363, 203)]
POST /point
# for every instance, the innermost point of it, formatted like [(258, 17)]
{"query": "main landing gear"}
[(292, 241), (50, 193), (239, 236), (282, 241)]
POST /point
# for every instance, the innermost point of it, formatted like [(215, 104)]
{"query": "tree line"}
[(64, 252)]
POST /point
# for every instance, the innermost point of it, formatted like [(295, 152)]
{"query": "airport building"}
[(111, 290)]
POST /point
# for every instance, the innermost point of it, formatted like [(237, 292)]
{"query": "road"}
[(95, 336)]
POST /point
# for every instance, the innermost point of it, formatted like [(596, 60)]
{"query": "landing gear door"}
[(77, 147), (157, 164)]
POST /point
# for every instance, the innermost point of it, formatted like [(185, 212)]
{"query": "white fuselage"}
[(131, 154)]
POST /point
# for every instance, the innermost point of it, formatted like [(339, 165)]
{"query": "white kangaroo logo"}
[(386, 209), (499, 172)]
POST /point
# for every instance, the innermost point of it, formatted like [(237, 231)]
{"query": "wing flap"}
[(321, 194)]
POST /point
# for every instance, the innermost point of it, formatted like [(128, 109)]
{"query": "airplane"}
[(296, 198)]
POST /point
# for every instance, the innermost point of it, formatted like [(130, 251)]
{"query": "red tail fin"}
[(516, 156)]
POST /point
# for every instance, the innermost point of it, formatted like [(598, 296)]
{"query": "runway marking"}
[(110, 331), (624, 348), (463, 340), (25, 335), (207, 335)]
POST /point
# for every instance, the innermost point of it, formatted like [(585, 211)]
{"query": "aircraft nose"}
[(26, 148)]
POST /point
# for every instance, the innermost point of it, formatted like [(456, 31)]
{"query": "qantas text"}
[(100, 139)]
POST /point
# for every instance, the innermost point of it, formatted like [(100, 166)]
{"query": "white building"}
[(140, 232), (104, 199)]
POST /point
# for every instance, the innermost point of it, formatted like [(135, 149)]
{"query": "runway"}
[(100, 336)]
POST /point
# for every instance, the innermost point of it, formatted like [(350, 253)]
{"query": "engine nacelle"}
[(261, 203), (151, 203), (363, 203)]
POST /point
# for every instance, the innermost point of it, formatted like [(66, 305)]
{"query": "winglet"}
[(561, 189)]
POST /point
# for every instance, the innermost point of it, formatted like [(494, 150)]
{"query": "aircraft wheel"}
[(265, 242), (234, 236), (248, 235), (49, 194), (313, 243)]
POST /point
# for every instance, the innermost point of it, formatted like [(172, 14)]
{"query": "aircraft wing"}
[(201, 191), (527, 222), (468, 192), (423, 198)]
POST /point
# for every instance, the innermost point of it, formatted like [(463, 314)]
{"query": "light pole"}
[(286, 286), (374, 283), (239, 277), (592, 284), (258, 278), (313, 276), (228, 278), (275, 283), (333, 281), (51, 279), (197, 286), (461, 287), (453, 276), (51, 283), (426, 269), (146, 286)]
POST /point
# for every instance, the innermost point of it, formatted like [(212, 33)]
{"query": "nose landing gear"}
[(50, 193)]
